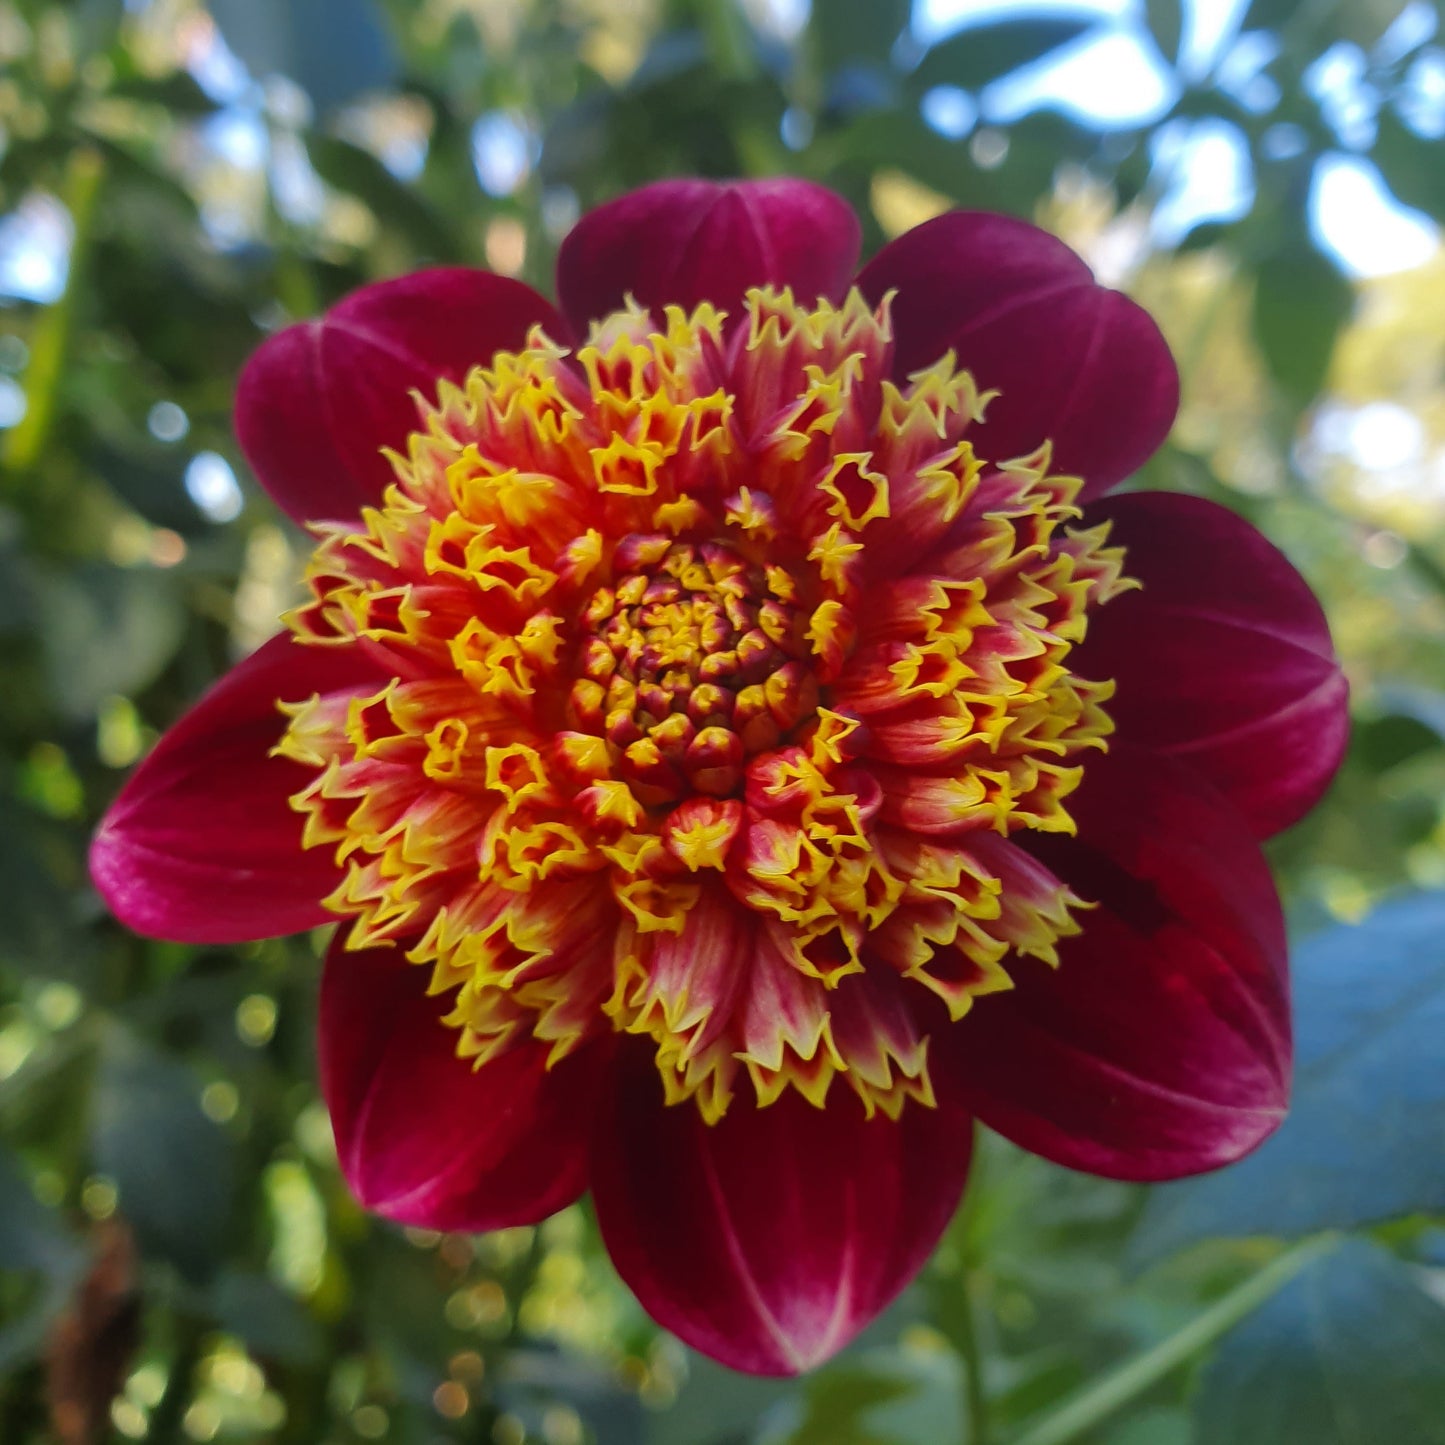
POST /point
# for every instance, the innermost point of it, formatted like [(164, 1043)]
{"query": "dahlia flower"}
[(742, 744)]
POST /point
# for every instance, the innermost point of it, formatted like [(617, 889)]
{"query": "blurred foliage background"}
[(178, 1257)]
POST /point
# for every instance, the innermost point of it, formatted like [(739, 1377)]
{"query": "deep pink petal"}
[(319, 400), (1161, 1045), (769, 1239), (201, 845), (1223, 659), (688, 241), (1074, 363), (424, 1137)]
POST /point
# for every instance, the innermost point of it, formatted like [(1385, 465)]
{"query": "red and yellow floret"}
[(724, 677)]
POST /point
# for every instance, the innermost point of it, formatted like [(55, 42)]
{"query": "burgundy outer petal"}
[(769, 1239), (201, 845), (1223, 659), (1161, 1045), (688, 241), (1074, 363), (423, 1137), (318, 401)]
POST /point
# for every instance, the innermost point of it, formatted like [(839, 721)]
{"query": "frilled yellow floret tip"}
[(724, 675)]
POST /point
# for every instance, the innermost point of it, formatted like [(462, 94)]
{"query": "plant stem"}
[(1100, 1399), (975, 1405), (50, 338)]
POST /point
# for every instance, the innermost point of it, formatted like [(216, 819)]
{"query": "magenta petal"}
[(424, 1137), (688, 241), (319, 400), (1161, 1045), (1223, 659), (201, 845), (769, 1239), (1074, 363)]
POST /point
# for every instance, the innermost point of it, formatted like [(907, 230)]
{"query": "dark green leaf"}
[(1204, 235), (333, 49), (33, 1241), (1410, 163), (108, 631), (1382, 743), (982, 53), (32, 1235), (36, 909), (1414, 719), (1269, 14), (1300, 303), (1159, 1426), (717, 1406), (1166, 25), (96, 23), (851, 30), (1365, 1135), (885, 1397), (177, 92), (1348, 1353), (273, 1325), (170, 1164), (351, 169)]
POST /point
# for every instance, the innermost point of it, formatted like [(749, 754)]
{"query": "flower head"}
[(739, 749)]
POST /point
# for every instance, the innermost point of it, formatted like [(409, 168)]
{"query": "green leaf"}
[(1268, 14), (273, 1325), (170, 1164), (1423, 704), (96, 23), (1348, 1353), (849, 30), (981, 53), (716, 1405), (1157, 1426), (333, 49), (1300, 303), (32, 1235), (178, 92), (1365, 1135), (33, 1240), (1166, 25), (349, 168), (885, 1397), (108, 630), (36, 936), (1410, 164), (1412, 721)]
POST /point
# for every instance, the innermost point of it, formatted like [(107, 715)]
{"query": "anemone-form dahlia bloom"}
[(742, 746)]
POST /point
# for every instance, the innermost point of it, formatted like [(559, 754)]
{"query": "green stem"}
[(1111, 1391), (50, 338), (975, 1404)]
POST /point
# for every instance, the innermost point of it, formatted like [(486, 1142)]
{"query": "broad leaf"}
[(852, 30), (34, 1242), (358, 172), (883, 1397), (1410, 164), (1365, 1136), (1346, 1354), (1300, 303), (1166, 25), (273, 1325), (32, 1235), (981, 53), (108, 630), (170, 1164), (333, 49)]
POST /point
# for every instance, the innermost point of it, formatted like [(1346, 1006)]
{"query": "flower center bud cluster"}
[(692, 662)]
